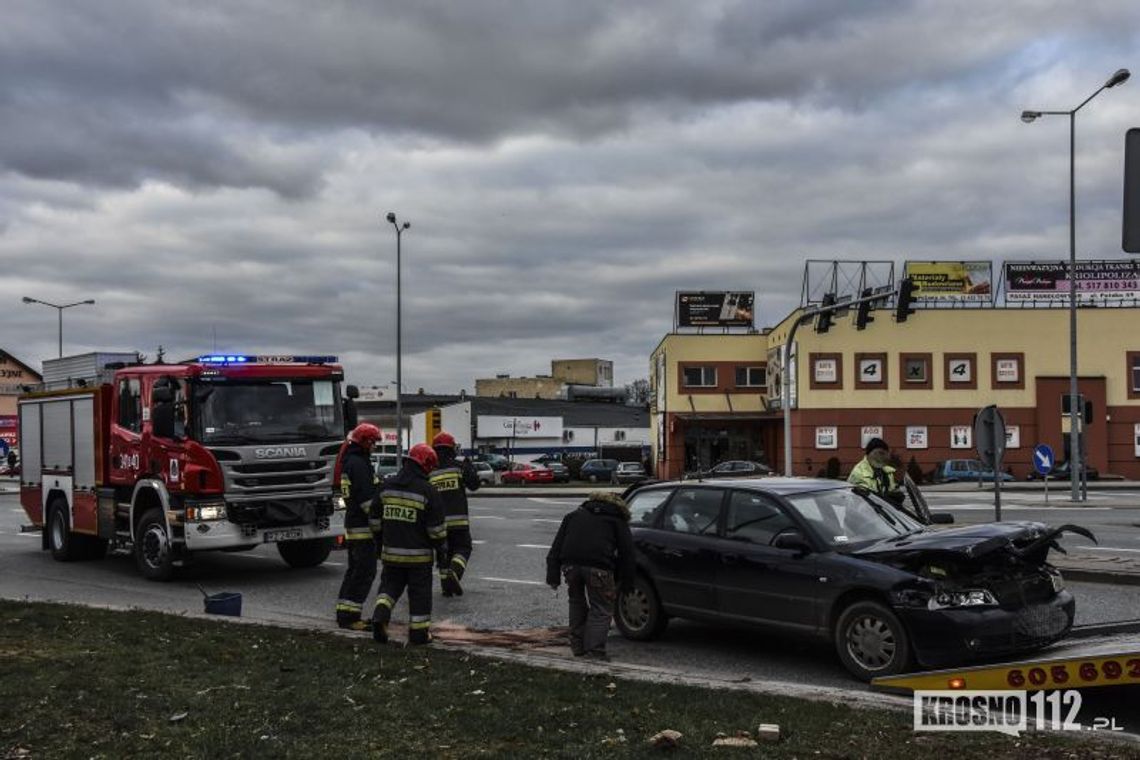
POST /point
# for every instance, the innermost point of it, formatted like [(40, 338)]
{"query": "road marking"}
[(480, 541), (532, 546), (545, 519), (559, 502), (526, 509), (487, 517), (1009, 508), (1110, 549), (512, 580)]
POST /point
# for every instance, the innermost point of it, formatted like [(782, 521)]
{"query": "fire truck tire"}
[(61, 540), (153, 554), (305, 553)]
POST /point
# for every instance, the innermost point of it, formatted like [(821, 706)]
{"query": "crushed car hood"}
[(1023, 539)]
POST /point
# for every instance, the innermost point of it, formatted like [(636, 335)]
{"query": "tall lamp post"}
[(59, 309), (1076, 460), (399, 348)]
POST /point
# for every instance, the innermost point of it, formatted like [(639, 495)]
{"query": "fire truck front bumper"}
[(205, 535)]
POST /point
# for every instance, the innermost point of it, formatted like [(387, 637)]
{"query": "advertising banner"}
[(941, 281), (1102, 281), (715, 309), (492, 426), (9, 430)]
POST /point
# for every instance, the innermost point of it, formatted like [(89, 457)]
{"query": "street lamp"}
[(59, 308), (1076, 463), (399, 353)]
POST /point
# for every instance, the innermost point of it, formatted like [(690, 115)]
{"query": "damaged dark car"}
[(817, 557)]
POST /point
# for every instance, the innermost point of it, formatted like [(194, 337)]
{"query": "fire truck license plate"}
[(282, 535)]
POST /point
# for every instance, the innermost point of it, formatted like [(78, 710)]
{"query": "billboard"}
[(715, 309), (1100, 281), (494, 426), (942, 281)]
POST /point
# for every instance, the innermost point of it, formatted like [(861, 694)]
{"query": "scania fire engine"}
[(164, 460)]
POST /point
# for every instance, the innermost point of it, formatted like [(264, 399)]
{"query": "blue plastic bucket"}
[(227, 603)]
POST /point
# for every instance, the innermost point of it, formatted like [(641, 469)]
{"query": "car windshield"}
[(263, 411), (846, 518)]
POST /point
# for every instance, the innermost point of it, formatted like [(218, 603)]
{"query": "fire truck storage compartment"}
[(58, 436)]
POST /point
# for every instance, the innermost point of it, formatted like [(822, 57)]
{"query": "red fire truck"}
[(164, 460)]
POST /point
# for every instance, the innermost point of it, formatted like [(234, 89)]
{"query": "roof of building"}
[(27, 368)]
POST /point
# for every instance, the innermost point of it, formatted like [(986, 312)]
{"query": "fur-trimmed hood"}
[(602, 502)]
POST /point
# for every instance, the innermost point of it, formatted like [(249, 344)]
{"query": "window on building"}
[(619, 435), (567, 436), (1134, 370), (130, 405), (700, 377), (751, 377)]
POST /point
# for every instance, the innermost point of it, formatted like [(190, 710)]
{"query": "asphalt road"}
[(505, 589)]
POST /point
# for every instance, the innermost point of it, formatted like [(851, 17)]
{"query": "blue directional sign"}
[(1043, 459)]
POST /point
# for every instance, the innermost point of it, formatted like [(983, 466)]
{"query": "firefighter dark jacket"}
[(452, 481), (411, 518), (596, 534), (358, 487)]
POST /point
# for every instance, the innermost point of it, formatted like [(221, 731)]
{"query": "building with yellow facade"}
[(14, 374), (916, 384)]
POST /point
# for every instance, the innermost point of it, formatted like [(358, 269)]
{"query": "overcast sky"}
[(224, 168)]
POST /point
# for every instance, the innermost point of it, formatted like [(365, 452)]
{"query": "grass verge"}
[(80, 682)]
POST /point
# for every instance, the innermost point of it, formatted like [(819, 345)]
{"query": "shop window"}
[(1008, 371), (700, 377), (751, 377), (915, 371), (961, 372), (567, 436), (619, 435)]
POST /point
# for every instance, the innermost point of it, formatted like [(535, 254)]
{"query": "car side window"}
[(755, 518), (694, 510), (645, 506)]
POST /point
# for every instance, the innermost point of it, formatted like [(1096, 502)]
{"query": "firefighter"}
[(358, 487), (453, 479), (412, 533)]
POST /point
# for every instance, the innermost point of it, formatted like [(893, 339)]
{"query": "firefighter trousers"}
[(417, 579), (592, 595), (357, 579), (458, 553)]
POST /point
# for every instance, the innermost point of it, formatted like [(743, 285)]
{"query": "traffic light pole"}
[(786, 375)]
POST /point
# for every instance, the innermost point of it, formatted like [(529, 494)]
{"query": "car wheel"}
[(871, 641), (154, 555), (308, 553), (592, 478), (60, 539), (639, 615)]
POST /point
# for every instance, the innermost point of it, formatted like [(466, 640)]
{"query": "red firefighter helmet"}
[(424, 456), (443, 439), (365, 434)]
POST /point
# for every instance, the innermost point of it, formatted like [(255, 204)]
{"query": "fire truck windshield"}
[(227, 411)]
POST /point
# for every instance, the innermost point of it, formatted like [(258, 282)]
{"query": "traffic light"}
[(863, 312), (825, 319), (903, 308)]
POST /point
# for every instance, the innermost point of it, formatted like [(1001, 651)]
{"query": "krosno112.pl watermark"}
[(1006, 711)]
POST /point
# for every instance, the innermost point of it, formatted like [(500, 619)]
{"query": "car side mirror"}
[(792, 540), (941, 518)]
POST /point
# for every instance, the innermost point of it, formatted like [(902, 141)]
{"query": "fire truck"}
[(224, 452)]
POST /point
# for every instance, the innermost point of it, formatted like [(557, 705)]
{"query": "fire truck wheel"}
[(153, 554), (305, 553), (60, 538)]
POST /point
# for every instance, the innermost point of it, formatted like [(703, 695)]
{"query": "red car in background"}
[(527, 473)]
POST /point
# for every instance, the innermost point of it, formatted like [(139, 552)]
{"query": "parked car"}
[(498, 462), (629, 472), (384, 465), (560, 471), (485, 472), (736, 468), (965, 471), (1060, 471), (825, 559), (595, 470), (527, 473)]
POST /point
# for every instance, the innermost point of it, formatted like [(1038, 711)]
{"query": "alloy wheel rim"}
[(154, 546), (871, 643), (635, 609)]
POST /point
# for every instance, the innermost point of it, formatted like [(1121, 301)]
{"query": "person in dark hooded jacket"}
[(593, 551)]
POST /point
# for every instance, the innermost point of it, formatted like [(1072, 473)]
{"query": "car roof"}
[(778, 485)]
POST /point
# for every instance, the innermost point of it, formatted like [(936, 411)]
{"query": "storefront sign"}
[(827, 437), (960, 370), (870, 371), (492, 426), (1007, 371), (715, 309), (826, 370), (1013, 436), (916, 437), (868, 432), (1097, 281), (961, 437), (951, 280)]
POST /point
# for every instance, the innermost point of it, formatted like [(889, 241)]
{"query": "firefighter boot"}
[(445, 582), (451, 585), (380, 617), (355, 625)]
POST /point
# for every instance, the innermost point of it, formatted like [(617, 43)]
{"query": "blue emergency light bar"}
[(248, 359)]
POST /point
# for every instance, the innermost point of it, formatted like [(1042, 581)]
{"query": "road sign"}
[(1043, 459), (989, 436)]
